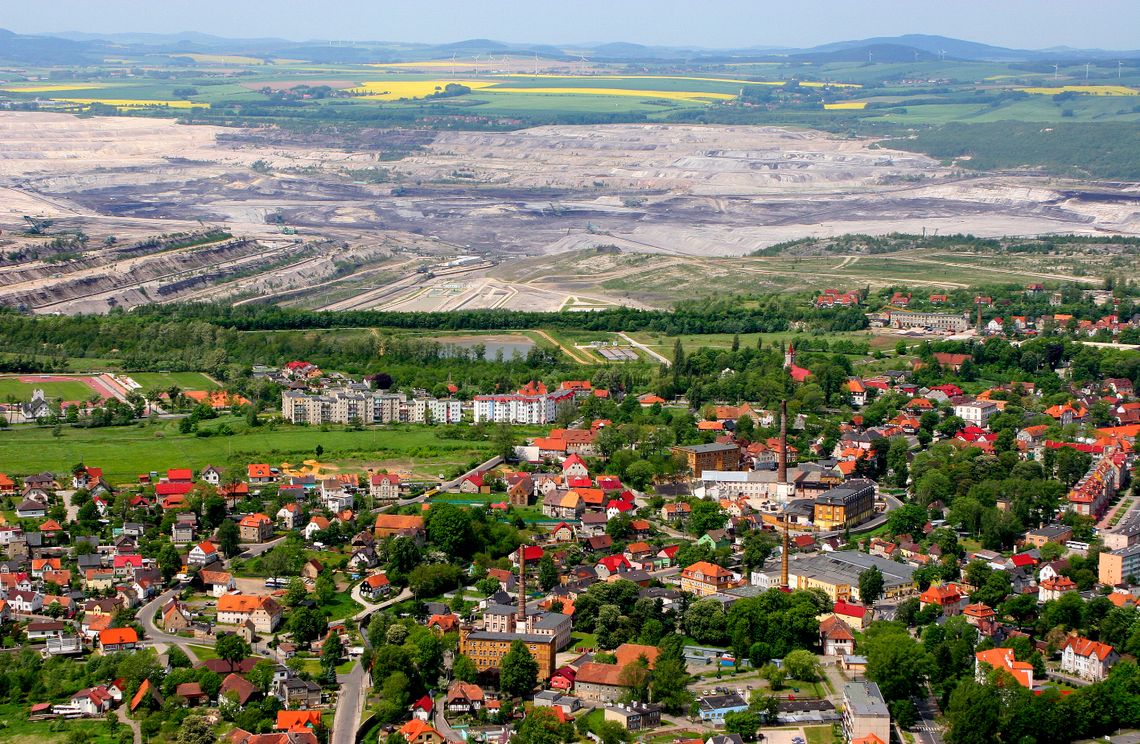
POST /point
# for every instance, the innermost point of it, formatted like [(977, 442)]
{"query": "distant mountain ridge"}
[(80, 47)]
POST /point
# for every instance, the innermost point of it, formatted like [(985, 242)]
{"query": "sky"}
[(1027, 24)]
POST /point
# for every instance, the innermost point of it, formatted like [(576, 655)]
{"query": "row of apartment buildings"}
[(359, 404)]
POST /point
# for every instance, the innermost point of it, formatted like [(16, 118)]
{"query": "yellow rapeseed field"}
[(394, 90), (676, 95), (1092, 90), (125, 103), (845, 106)]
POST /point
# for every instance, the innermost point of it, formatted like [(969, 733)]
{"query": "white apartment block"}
[(540, 408), (976, 412), (439, 411), (355, 403)]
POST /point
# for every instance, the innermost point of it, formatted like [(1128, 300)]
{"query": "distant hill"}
[(73, 47)]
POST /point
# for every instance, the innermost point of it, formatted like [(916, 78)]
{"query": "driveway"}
[(782, 735)]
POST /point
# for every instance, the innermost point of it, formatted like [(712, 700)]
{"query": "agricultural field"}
[(125, 452)]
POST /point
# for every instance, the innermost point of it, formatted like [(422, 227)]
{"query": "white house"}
[(1087, 659), (202, 554)]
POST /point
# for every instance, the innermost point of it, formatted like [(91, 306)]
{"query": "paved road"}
[(349, 705), (252, 550), (354, 685), (442, 726), (646, 349), (927, 730), (154, 635)]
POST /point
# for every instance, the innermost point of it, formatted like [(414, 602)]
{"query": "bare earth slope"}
[(360, 225)]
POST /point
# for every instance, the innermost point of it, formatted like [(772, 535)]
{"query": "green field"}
[(164, 380), (663, 344), (125, 452), (12, 389), (15, 728)]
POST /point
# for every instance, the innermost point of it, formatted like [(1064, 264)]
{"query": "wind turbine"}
[(1056, 71), (453, 54), (942, 54), (536, 64), (1119, 69), (1087, 73), (476, 65), (582, 62)]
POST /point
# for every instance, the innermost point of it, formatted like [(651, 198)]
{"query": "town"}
[(756, 543)]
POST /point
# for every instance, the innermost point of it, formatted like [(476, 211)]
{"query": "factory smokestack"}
[(521, 620), (782, 468), (784, 559)]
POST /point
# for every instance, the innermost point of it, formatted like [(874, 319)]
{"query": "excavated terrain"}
[(370, 218)]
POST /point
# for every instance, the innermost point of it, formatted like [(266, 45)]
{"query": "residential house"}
[(203, 554), (397, 525), (1087, 659), (260, 473), (1002, 658), (704, 579), (289, 516), (217, 583), (464, 698), (947, 596), (255, 528), (118, 639), (263, 611), (384, 486), (600, 683), (836, 637), (417, 731)]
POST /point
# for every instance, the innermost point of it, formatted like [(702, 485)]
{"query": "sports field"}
[(164, 380), (13, 388)]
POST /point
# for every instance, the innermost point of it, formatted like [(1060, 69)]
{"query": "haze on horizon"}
[(1024, 24)]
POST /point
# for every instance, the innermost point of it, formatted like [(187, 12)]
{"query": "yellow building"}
[(487, 649), (846, 506)]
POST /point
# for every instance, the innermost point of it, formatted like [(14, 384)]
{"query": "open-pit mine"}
[(98, 213)]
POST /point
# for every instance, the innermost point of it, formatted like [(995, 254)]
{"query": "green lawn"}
[(12, 388), (164, 380), (583, 640), (15, 728), (204, 653), (341, 606), (820, 735), (124, 452)]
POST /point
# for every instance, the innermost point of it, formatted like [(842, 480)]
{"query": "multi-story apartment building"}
[(432, 410), (340, 406), (532, 404), (1117, 566), (356, 403)]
